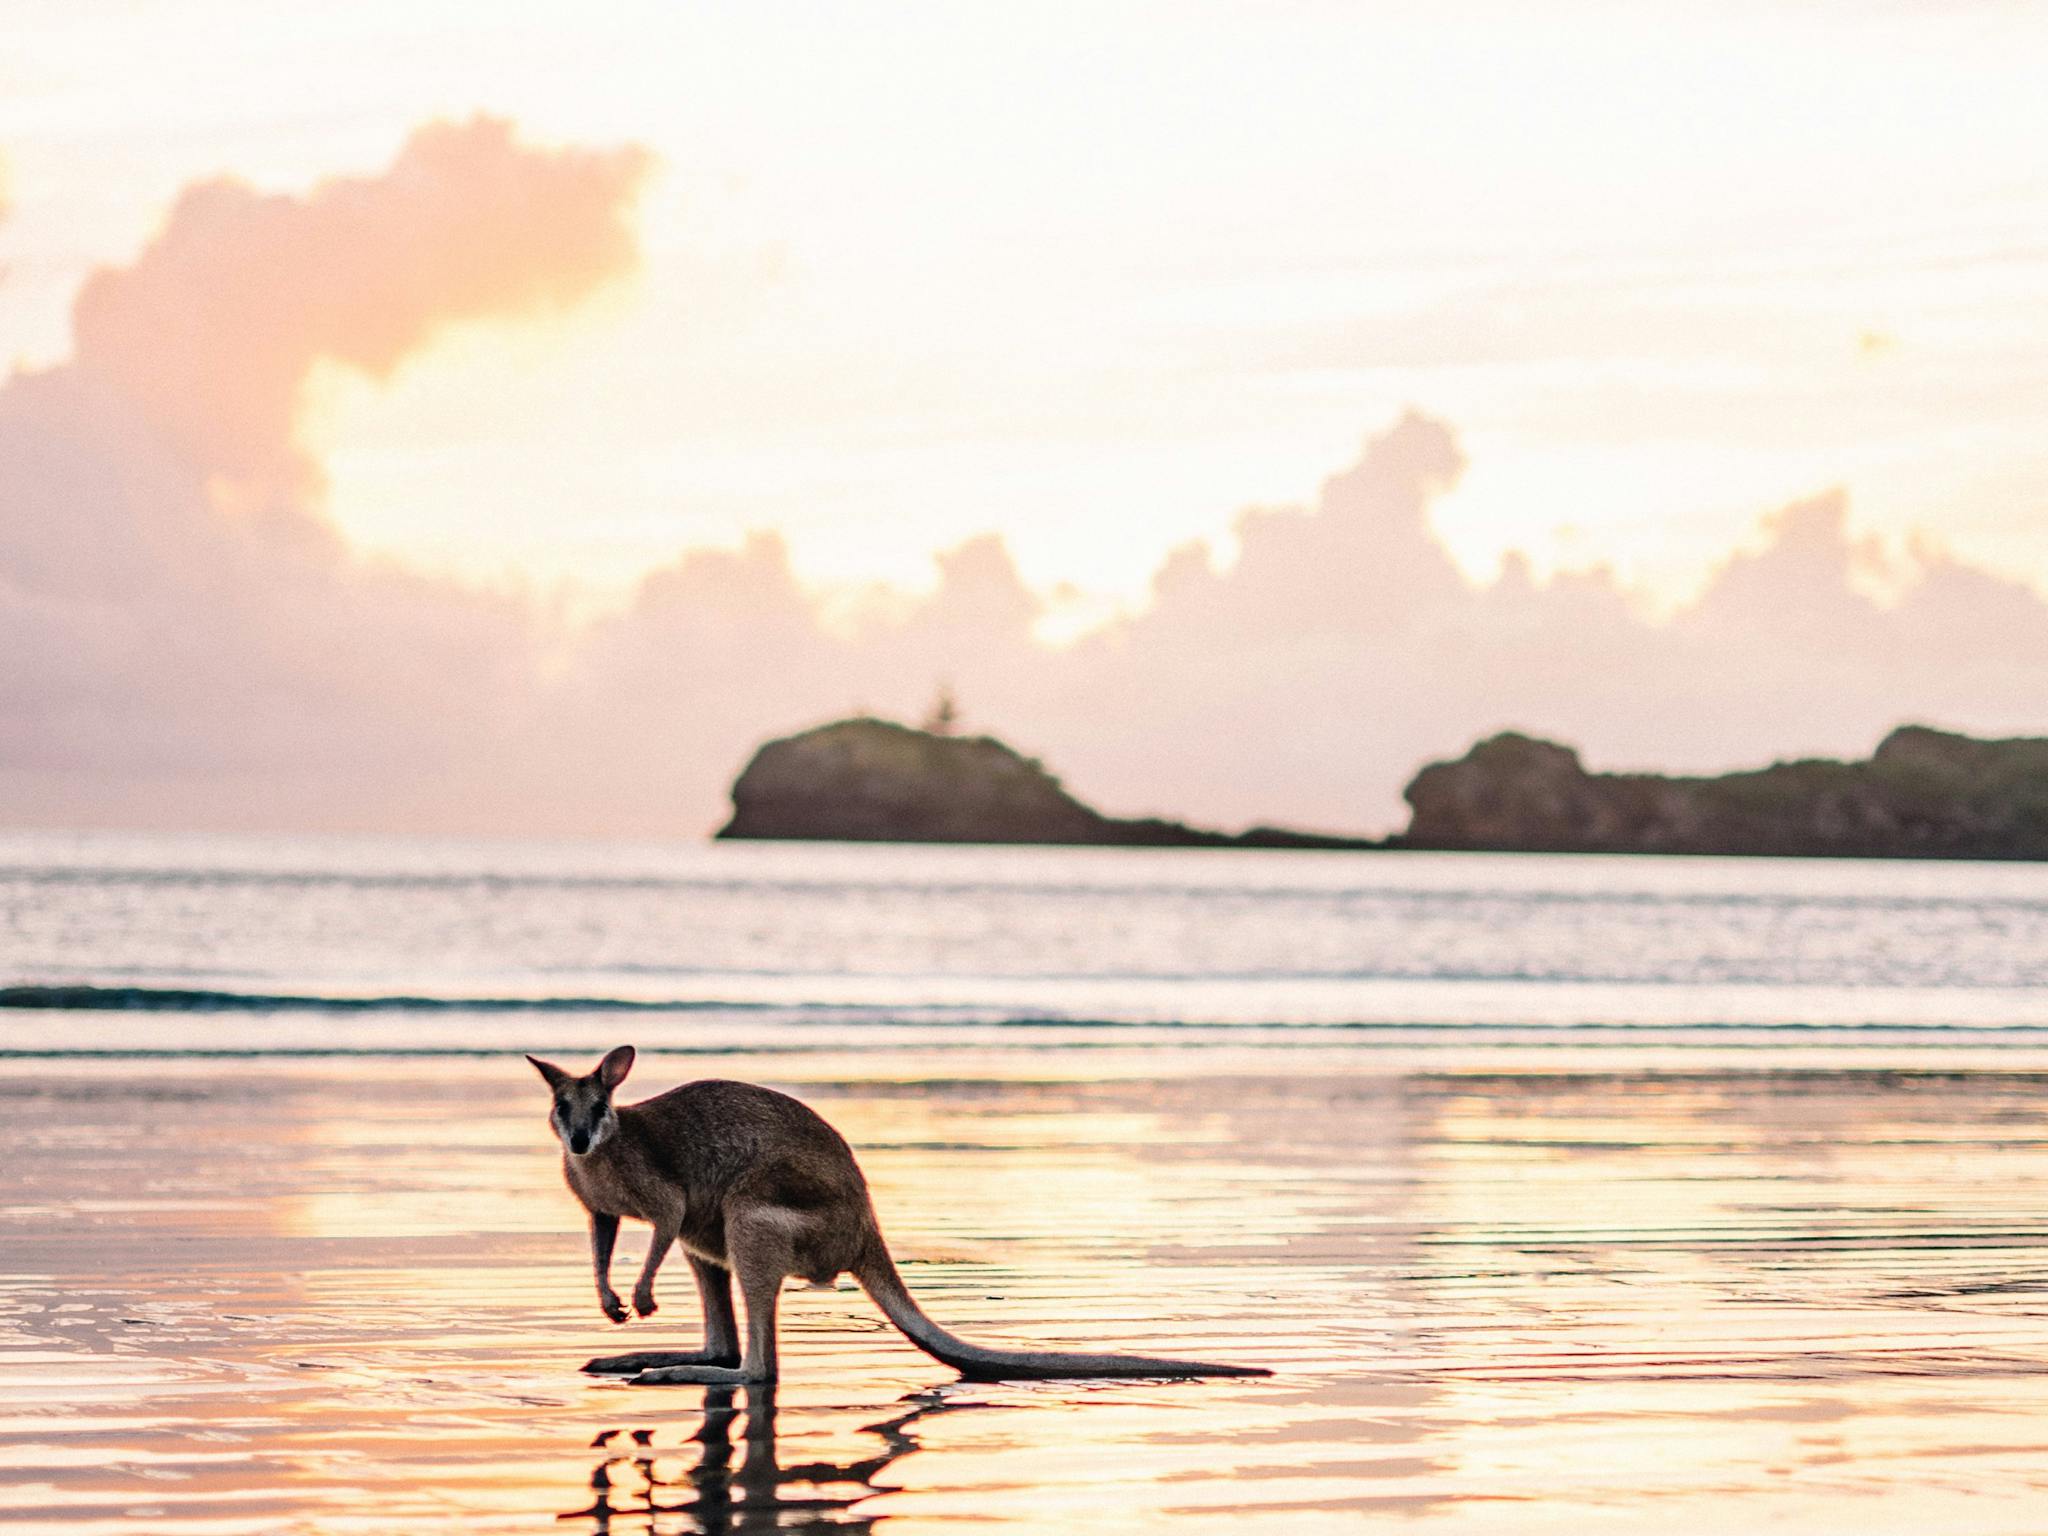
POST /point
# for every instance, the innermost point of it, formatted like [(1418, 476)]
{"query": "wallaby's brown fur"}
[(756, 1186)]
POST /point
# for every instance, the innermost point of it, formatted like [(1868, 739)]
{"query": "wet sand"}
[(1518, 1295)]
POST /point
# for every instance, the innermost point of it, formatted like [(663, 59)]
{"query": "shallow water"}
[(1574, 1194), (350, 1296)]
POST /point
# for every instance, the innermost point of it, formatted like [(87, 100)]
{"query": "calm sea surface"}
[(180, 944)]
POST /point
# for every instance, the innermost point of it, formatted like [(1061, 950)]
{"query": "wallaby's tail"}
[(877, 1274)]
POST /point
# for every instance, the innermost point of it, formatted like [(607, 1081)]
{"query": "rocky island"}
[(868, 780), (1924, 794)]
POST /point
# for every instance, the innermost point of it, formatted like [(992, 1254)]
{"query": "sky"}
[(410, 425)]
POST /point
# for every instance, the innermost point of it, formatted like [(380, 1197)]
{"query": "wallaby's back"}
[(730, 1135), (730, 1144)]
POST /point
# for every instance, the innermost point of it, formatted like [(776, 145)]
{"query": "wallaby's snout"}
[(582, 1127), (582, 1115)]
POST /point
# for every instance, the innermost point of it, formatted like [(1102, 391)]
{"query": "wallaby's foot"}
[(654, 1359), (614, 1308), (697, 1376)]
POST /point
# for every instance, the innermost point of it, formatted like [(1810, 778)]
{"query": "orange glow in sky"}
[(1098, 277)]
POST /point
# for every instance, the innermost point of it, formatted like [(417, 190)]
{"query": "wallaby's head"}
[(582, 1115)]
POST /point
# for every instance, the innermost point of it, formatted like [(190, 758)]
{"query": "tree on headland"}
[(944, 714)]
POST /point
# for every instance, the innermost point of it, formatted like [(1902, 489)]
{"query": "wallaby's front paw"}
[(643, 1303), (614, 1308)]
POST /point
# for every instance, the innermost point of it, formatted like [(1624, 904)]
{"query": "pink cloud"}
[(1308, 679), (184, 640), (182, 635), (212, 331)]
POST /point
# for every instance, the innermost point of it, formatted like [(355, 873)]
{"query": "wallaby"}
[(754, 1184)]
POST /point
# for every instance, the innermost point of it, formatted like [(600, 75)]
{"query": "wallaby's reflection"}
[(636, 1483)]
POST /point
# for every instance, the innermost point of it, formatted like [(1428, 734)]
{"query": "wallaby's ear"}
[(555, 1075), (615, 1066)]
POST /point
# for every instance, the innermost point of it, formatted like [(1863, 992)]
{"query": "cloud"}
[(212, 332), (1305, 680), (185, 640), (1344, 648), (181, 630)]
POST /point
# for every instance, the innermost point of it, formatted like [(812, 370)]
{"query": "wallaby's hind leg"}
[(721, 1325), (761, 1283), (763, 1243), (721, 1331)]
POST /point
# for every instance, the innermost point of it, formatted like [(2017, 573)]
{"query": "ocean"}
[(195, 944)]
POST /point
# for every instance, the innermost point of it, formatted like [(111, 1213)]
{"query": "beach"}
[(1572, 1194), (1512, 1295)]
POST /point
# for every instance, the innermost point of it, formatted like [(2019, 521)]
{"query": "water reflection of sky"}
[(334, 1297)]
